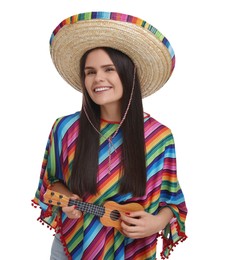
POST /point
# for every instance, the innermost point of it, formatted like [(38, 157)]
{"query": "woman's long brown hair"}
[(85, 166)]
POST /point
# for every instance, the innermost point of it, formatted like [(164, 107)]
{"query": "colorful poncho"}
[(86, 238)]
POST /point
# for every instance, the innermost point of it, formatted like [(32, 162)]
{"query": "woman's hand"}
[(71, 211), (141, 224)]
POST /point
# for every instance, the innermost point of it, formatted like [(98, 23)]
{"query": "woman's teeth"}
[(101, 89)]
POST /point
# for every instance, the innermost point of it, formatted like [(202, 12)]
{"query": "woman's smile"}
[(101, 89)]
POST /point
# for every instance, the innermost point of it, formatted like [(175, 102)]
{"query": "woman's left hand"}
[(139, 224)]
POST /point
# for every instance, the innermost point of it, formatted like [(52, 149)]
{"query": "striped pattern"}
[(116, 17), (87, 238)]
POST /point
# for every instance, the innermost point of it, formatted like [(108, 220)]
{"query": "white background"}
[(192, 104)]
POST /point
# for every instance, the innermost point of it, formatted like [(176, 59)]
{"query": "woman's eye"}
[(110, 69), (90, 72)]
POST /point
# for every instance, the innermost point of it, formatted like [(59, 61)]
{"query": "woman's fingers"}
[(71, 211)]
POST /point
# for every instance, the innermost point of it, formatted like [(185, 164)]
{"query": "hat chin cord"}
[(110, 143)]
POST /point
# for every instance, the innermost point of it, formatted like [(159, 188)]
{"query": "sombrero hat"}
[(150, 51)]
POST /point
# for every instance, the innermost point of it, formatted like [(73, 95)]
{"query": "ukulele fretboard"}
[(88, 207)]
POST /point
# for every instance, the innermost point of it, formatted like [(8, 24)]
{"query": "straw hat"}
[(150, 51)]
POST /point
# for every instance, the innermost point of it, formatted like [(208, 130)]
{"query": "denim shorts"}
[(57, 250)]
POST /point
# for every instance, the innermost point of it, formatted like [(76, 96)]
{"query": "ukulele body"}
[(113, 210)]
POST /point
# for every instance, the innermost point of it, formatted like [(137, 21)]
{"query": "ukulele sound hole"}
[(115, 215)]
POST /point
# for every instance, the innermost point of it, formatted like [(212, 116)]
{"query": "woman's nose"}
[(99, 76)]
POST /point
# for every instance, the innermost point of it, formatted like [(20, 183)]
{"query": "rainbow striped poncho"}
[(86, 237)]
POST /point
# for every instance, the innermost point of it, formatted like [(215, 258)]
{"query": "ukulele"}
[(109, 213)]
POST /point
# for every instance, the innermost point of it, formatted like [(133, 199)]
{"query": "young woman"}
[(111, 150)]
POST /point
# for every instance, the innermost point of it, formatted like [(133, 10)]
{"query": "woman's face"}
[(102, 81)]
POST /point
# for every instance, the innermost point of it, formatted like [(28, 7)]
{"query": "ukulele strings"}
[(107, 211)]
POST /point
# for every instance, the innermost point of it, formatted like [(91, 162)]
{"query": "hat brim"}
[(153, 59)]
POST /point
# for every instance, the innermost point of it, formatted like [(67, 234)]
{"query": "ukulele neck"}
[(88, 207)]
